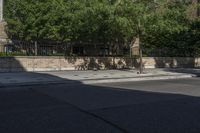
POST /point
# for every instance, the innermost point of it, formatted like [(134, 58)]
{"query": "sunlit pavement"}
[(88, 77), (165, 106)]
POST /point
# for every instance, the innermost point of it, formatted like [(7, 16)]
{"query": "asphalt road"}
[(166, 106)]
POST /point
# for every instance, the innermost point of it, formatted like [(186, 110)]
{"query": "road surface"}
[(166, 106)]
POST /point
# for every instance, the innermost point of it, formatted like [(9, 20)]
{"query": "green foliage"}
[(162, 24)]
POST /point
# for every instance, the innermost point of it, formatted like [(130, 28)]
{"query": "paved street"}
[(165, 106)]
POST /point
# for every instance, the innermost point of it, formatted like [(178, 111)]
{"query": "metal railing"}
[(31, 48), (25, 48)]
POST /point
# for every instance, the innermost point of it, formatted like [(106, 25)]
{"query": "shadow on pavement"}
[(73, 107), (178, 65), (193, 71)]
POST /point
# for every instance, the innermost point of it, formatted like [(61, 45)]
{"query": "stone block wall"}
[(169, 62), (57, 63)]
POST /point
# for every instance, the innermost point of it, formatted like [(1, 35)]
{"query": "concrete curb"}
[(96, 81), (150, 78)]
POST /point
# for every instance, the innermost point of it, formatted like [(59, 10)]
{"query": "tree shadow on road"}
[(69, 106), (193, 71)]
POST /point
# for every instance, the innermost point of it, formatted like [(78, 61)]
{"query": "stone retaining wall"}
[(49, 63)]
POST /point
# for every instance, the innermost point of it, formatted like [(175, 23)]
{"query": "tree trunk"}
[(36, 48), (141, 60)]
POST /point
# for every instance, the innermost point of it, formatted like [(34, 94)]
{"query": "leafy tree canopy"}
[(158, 22)]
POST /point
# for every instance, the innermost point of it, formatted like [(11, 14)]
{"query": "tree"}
[(158, 24)]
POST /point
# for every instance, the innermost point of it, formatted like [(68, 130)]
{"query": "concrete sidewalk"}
[(92, 77)]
